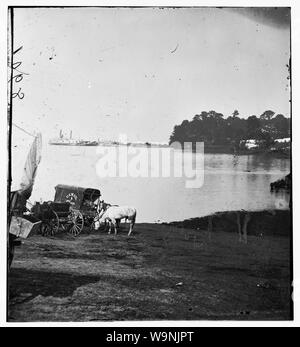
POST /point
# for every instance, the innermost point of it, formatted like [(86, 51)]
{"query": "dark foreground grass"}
[(161, 272)]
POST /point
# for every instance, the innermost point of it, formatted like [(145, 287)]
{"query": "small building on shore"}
[(283, 140), (251, 144)]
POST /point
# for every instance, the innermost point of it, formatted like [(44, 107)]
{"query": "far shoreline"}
[(208, 149)]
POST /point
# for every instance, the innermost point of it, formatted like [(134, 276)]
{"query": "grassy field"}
[(161, 272)]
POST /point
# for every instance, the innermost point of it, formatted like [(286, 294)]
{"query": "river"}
[(230, 183)]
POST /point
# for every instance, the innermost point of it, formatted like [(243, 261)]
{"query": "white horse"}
[(102, 207), (113, 216)]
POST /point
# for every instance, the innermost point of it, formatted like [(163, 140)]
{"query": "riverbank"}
[(261, 223), (161, 272), (228, 149)]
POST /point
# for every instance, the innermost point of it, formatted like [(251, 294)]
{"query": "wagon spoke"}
[(54, 223), (76, 230), (76, 223)]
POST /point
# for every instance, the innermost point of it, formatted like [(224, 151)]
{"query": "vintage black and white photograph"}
[(149, 166)]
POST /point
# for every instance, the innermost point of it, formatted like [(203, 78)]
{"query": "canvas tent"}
[(26, 156)]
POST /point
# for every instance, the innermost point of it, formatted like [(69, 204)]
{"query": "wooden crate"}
[(23, 226)]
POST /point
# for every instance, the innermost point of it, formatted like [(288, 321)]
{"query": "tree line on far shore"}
[(213, 128)]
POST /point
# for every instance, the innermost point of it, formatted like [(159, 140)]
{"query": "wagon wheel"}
[(76, 222), (51, 226)]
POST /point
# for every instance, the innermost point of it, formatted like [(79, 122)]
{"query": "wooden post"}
[(246, 221), (238, 222), (210, 226)]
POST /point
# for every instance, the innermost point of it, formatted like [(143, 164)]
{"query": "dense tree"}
[(213, 128), (267, 115), (253, 125), (235, 113), (282, 125)]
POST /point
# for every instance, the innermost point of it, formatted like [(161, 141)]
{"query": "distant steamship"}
[(69, 141)]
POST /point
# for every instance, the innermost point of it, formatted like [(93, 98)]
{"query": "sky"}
[(102, 72)]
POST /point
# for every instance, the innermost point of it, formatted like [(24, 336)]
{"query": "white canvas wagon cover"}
[(26, 156)]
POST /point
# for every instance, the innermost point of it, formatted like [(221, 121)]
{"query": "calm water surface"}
[(230, 183)]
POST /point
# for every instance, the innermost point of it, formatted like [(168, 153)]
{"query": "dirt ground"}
[(161, 272)]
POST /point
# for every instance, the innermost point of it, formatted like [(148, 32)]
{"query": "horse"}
[(114, 214), (102, 207)]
